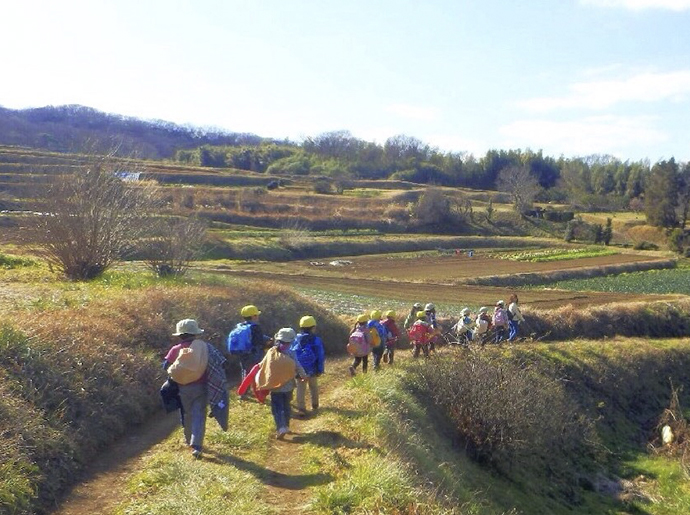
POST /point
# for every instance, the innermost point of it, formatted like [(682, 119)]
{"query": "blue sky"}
[(569, 77)]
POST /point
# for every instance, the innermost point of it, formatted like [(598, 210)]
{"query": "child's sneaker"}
[(352, 371), (281, 433), (196, 453)]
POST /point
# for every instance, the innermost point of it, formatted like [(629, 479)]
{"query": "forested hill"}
[(72, 127)]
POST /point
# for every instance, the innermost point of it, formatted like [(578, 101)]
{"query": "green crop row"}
[(540, 256)]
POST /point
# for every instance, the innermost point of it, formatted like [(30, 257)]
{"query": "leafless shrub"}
[(433, 207), (175, 244), (397, 213), (509, 413), (92, 217), (679, 444), (294, 235), (520, 184)]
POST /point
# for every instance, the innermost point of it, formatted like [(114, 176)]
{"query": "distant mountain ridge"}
[(72, 128)]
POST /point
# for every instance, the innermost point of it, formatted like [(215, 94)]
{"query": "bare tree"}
[(93, 216), (176, 243), (520, 184)]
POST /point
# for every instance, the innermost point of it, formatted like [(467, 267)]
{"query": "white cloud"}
[(600, 134), (644, 87), (414, 112), (639, 5)]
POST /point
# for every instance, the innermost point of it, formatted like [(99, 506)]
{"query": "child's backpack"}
[(419, 333), (482, 325), (240, 339), (500, 317), (375, 337), (357, 344), (190, 364)]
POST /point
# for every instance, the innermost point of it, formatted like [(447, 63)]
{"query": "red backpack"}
[(419, 333)]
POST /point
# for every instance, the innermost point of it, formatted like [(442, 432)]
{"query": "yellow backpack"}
[(375, 337)]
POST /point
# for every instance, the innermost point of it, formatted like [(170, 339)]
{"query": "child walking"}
[(281, 397)]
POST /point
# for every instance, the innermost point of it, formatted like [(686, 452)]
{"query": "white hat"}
[(429, 307), (500, 303), (187, 326), (465, 311), (483, 310), (286, 334)]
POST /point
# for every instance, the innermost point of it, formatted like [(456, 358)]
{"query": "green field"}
[(654, 281)]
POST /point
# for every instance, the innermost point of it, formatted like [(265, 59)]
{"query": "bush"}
[(558, 216), (95, 218), (510, 415), (323, 187), (645, 245), (676, 240)]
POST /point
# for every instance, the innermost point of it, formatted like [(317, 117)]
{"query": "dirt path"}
[(102, 485), (288, 488)]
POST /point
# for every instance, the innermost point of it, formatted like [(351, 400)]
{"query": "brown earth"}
[(452, 294)]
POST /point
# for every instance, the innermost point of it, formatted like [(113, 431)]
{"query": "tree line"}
[(595, 182)]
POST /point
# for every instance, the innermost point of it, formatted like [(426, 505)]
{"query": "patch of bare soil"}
[(455, 294), (102, 485)]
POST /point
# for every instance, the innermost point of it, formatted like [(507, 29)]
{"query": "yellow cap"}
[(250, 311), (389, 314), (421, 314), (362, 319), (307, 321), (375, 315)]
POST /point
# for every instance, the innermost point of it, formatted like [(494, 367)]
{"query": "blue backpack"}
[(240, 339)]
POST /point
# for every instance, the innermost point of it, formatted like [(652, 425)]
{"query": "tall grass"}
[(654, 320)]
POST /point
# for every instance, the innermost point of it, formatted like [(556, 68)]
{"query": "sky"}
[(568, 77)]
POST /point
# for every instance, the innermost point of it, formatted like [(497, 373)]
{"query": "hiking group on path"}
[(293, 360)]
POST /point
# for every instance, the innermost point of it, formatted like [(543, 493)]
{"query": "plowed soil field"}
[(435, 268)]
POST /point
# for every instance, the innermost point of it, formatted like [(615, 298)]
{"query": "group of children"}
[(503, 323), (289, 361), (295, 360), (378, 335)]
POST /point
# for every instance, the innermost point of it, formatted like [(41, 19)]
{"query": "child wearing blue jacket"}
[(375, 322), (308, 348)]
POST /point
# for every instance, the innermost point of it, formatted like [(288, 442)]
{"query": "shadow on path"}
[(270, 477)]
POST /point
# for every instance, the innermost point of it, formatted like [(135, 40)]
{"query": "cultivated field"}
[(439, 278), (449, 269)]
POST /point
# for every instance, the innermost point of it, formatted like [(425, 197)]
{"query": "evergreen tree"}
[(607, 233), (661, 197)]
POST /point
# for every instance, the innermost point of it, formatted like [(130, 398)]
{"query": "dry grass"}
[(654, 320), (75, 379), (536, 278)]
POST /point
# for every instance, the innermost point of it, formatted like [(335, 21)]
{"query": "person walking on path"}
[(281, 397), (258, 341), (376, 329), (186, 362), (500, 321), (392, 335), (360, 332), (430, 311), (308, 348), (515, 317), (463, 329), (420, 333), (412, 316), (483, 325)]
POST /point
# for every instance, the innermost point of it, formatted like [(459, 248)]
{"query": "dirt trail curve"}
[(102, 486)]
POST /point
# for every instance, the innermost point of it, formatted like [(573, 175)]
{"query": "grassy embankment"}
[(80, 363)]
